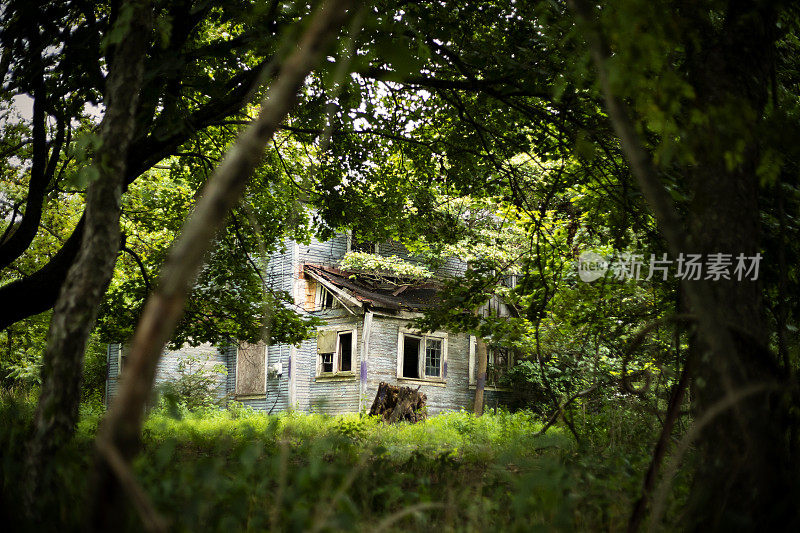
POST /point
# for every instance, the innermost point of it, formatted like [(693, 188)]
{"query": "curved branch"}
[(18, 241), (38, 292), (139, 262)]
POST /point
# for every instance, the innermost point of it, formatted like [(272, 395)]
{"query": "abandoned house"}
[(366, 339)]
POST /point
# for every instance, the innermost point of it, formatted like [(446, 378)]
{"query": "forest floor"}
[(237, 470)]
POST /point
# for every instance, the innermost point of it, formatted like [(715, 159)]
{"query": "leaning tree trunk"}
[(76, 309), (118, 438), (744, 478)]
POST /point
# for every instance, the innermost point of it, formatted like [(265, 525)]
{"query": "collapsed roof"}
[(376, 290)]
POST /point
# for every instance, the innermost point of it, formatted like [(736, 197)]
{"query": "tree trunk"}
[(37, 292), (397, 404), (118, 437), (76, 309), (481, 357), (744, 476)]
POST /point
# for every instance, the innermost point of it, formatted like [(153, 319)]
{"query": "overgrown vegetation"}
[(235, 469), (381, 266), (513, 135)]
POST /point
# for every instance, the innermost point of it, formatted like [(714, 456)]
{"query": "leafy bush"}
[(194, 388), (26, 371), (380, 265)]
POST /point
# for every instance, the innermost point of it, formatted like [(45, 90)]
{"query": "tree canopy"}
[(512, 134)]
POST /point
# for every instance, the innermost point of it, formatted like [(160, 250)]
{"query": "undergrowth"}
[(238, 470)]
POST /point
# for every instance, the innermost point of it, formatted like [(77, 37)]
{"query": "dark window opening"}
[(329, 299), (362, 246), (345, 352), (411, 357), (500, 359), (327, 362)]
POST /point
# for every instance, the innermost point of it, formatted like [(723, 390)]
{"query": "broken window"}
[(336, 351), (325, 299), (251, 369), (355, 244), (499, 360), (327, 362), (421, 356), (411, 356), (345, 352)]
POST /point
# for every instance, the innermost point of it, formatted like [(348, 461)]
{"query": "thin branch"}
[(555, 416), (13, 149), (151, 519), (240, 240), (139, 262)]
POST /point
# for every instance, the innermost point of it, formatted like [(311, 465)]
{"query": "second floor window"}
[(325, 299), (355, 244), (336, 351)]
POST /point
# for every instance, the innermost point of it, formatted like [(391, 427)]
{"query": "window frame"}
[(421, 366), (122, 356), (249, 395), (376, 246), (337, 355), (491, 356), (120, 359), (473, 365), (320, 295)]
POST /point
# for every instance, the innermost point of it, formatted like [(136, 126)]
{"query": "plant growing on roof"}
[(385, 269)]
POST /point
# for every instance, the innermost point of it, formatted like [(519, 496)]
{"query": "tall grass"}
[(238, 470)]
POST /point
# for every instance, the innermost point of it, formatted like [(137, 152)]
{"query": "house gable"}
[(368, 316)]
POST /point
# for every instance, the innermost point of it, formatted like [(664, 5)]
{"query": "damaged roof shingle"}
[(382, 291)]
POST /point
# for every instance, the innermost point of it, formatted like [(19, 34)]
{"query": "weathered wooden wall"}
[(298, 387), (168, 367)]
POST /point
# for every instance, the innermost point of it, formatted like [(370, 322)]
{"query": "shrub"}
[(194, 388)]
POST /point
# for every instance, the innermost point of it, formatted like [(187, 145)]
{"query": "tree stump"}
[(394, 404)]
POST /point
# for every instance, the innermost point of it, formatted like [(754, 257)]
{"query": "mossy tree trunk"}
[(745, 476), (87, 280)]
